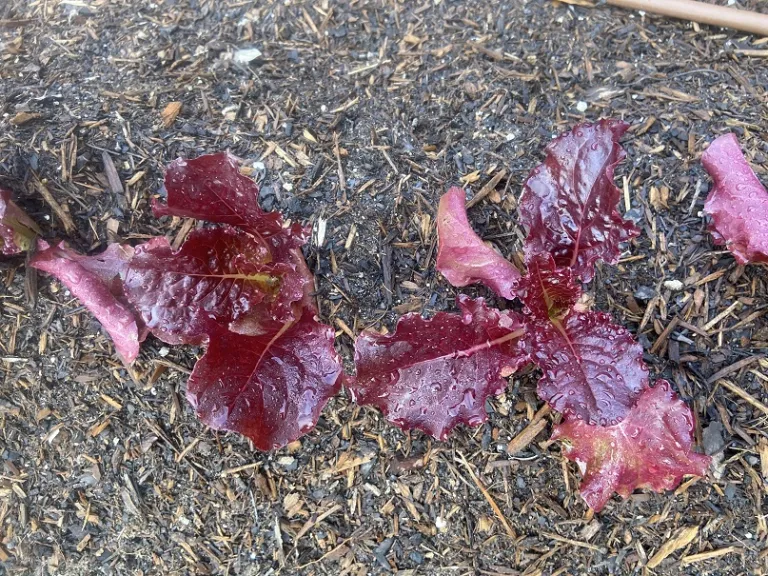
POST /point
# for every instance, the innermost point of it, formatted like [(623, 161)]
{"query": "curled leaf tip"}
[(462, 256)]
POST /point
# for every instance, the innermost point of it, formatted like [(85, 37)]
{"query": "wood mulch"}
[(355, 117)]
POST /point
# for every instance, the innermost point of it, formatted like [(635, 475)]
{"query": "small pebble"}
[(644, 293)]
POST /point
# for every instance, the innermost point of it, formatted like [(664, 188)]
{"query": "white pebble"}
[(674, 285), (246, 55)]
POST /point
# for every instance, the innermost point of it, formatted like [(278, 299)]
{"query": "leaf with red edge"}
[(462, 257), (738, 202), (96, 282), (220, 278), (212, 188), (568, 205), (592, 368), (270, 388), (17, 230), (437, 373), (548, 292), (650, 448)]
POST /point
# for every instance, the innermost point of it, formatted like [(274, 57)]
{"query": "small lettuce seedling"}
[(623, 433), (240, 289)]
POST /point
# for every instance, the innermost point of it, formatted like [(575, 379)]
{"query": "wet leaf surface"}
[(270, 388), (738, 202), (592, 368), (568, 206), (96, 282), (548, 292), (219, 278), (433, 374), (650, 448)]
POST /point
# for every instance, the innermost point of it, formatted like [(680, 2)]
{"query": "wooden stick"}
[(701, 12)]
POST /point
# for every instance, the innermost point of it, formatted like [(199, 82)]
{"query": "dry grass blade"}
[(735, 367), (61, 214), (499, 514), (693, 558), (744, 394), (573, 542), (488, 188), (681, 539)]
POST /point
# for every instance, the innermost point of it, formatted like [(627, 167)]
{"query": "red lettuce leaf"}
[(593, 369), (738, 202), (211, 188), (650, 448), (568, 205), (462, 257), (96, 282), (219, 278), (17, 230), (270, 388), (437, 373), (548, 292)]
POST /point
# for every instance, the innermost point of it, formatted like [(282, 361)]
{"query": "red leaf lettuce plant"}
[(434, 374), (240, 289)]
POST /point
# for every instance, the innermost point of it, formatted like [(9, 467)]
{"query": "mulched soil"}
[(356, 117)]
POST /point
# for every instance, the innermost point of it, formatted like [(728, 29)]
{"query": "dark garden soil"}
[(355, 118)]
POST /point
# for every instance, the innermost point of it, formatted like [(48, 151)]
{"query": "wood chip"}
[(724, 314), (24, 117), (347, 461), (135, 178), (762, 448), (113, 178), (680, 539), (735, 367), (526, 436), (169, 113), (489, 187)]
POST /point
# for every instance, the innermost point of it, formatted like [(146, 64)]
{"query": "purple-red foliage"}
[(270, 388), (737, 203), (437, 373), (462, 257), (592, 369), (568, 206), (241, 289), (650, 448), (97, 282)]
